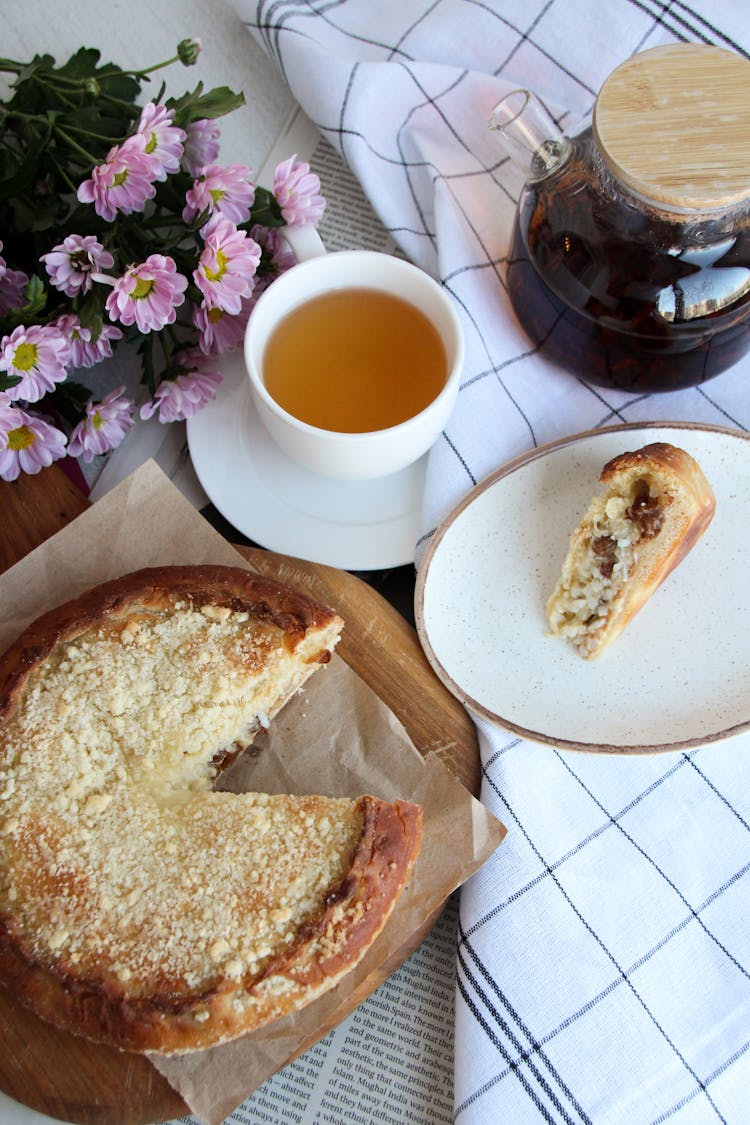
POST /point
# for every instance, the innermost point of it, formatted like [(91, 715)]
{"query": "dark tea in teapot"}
[(630, 257)]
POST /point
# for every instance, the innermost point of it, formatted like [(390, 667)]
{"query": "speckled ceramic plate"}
[(677, 677)]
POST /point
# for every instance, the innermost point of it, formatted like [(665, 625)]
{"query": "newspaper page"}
[(349, 221), (390, 1061)]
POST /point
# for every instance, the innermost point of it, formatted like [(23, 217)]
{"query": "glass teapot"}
[(630, 258)]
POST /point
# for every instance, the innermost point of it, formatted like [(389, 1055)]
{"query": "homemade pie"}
[(655, 506), (138, 906)]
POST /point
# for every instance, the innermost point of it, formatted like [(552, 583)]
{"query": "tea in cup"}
[(354, 360)]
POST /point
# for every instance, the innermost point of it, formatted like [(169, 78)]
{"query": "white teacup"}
[(362, 455)]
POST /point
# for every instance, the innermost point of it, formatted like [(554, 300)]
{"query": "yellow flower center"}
[(119, 178), (143, 287), (217, 194), (25, 356), (20, 438), (96, 420), (150, 143), (221, 263), (215, 315)]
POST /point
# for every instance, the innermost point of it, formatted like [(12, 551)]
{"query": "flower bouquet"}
[(118, 223)]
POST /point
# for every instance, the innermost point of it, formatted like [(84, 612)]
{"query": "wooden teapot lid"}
[(673, 124)]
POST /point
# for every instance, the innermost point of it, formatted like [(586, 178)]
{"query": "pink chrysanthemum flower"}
[(148, 294), (278, 256), (12, 285), (27, 442), (182, 397), (39, 355), (71, 263), (297, 191), (201, 146), (104, 426), (123, 182), (85, 352), (225, 190), (163, 140), (227, 265), (221, 331)]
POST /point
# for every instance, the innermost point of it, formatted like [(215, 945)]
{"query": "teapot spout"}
[(533, 140)]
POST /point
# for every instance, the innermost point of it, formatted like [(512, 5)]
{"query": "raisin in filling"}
[(646, 511), (605, 549)]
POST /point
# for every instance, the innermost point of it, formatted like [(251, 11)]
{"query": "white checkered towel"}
[(604, 951)]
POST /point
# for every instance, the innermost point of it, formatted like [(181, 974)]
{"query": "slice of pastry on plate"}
[(655, 505)]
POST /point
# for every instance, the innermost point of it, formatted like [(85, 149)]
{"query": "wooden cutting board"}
[(76, 1081)]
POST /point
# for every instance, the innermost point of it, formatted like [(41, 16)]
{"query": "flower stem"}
[(57, 88), (75, 145), (19, 115), (88, 133), (137, 74), (119, 103), (64, 176)]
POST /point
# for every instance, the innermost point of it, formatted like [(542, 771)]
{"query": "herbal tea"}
[(354, 360)]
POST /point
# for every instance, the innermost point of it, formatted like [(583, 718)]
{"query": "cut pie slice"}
[(655, 505)]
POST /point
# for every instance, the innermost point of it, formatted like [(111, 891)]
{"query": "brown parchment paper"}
[(336, 737)]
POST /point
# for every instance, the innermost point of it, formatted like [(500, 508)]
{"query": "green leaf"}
[(81, 64), (121, 86), (25, 172), (90, 310), (76, 392), (8, 381), (266, 210), (45, 214), (69, 400), (197, 105), (200, 220), (39, 63), (28, 313), (110, 121), (36, 297), (187, 99), (170, 194), (73, 393)]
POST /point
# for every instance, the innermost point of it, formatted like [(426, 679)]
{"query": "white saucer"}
[(353, 525)]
